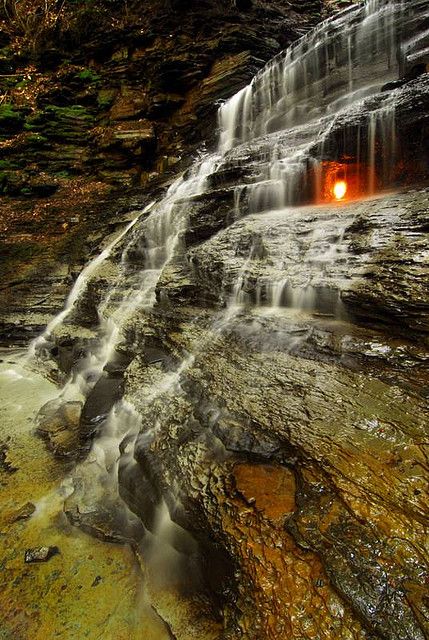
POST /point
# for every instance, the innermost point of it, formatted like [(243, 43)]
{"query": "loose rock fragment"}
[(24, 512), (5, 464), (58, 423), (40, 554)]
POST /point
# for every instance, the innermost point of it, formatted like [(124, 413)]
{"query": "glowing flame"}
[(340, 189)]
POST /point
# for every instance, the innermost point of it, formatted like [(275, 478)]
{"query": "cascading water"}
[(284, 117), (317, 124), (291, 106), (78, 289), (284, 136), (156, 240), (160, 234), (346, 59)]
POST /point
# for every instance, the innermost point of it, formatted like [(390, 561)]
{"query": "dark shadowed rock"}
[(108, 524), (5, 464), (106, 392)]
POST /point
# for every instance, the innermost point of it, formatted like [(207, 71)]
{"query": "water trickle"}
[(79, 288), (381, 121), (309, 284), (239, 191), (113, 446)]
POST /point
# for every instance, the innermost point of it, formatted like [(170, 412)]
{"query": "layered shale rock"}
[(272, 450)]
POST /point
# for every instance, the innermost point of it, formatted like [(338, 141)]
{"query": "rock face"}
[(271, 438), (292, 439), (303, 459), (291, 442), (297, 242)]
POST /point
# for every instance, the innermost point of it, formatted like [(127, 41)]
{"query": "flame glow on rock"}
[(340, 181), (340, 189)]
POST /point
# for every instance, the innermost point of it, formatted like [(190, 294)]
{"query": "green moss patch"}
[(70, 123), (106, 97), (36, 139), (7, 165), (88, 76)]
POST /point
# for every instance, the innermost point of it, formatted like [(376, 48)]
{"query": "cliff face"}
[(258, 423), (295, 441), (101, 99)]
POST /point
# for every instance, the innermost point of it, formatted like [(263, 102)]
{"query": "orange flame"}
[(340, 189)]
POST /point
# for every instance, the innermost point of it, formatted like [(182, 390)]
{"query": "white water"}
[(160, 234), (292, 105), (300, 93), (158, 238), (79, 288), (307, 81)]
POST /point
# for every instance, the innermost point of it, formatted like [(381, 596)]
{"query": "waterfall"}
[(291, 107), (285, 130), (79, 288), (346, 58), (161, 232), (156, 239), (288, 113)]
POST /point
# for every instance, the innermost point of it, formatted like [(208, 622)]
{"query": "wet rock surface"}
[(290, 444), (358, 501), (58, 423), (271, 442), (293, 432), (39, 600), (344, 250)]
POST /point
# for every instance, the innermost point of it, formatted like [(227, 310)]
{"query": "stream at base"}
[(71, 595)]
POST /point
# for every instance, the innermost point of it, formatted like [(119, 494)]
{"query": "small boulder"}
[(58, 423), (40, 554), (105, 393), (5, 464), (24, 512)]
